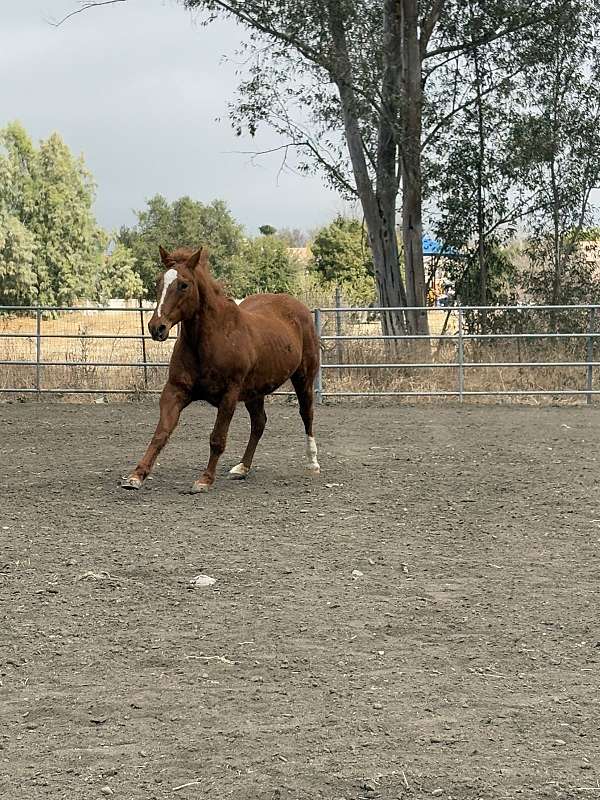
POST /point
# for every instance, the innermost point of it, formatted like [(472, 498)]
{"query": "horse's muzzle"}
[(159, 332)]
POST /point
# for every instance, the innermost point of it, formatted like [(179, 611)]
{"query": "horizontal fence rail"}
[(459, 352)]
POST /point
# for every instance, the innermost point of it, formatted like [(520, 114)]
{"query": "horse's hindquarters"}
[(284, 341)]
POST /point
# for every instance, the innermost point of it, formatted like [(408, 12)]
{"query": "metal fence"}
[(469, 352)]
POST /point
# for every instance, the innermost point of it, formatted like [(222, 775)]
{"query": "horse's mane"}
[(183, 253)]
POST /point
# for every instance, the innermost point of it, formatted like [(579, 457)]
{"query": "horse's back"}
[(266, 309), (270, 311), (281, 305)]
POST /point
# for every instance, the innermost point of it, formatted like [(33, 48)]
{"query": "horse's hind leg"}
[(258, 420), (306, 400)]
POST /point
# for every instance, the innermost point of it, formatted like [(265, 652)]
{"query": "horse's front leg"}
[(218, 440), (172, 402)]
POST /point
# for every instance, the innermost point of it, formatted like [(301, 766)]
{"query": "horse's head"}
[(176, 291)]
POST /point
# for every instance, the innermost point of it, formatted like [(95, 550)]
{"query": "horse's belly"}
[(253, 391), (271, 373), (210, 389)]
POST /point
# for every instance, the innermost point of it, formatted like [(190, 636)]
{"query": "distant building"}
[(300, 254)]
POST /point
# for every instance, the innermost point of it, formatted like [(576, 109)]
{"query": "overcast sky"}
[(138, 88)]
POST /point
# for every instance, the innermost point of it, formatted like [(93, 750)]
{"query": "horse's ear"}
[(164, 256), (199, 257)]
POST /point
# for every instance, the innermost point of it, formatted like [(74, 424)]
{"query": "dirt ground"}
[(463, 662)]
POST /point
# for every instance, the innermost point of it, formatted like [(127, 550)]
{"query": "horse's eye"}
[(182, 286)]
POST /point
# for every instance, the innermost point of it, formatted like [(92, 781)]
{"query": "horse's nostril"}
[(161, 329)]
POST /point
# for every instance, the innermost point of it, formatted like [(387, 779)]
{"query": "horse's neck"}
[(210, 319)]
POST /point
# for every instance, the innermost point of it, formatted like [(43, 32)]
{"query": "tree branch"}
[(265, 152), (85, 7), (327, 165), (237, 11), (517, 212), (301, 138), (428, 24), (447, 117), (491, 36), (332, 170), (354, 139)]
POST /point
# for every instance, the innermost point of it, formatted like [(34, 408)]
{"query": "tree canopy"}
[(364, 90), (51, 248), (341, 257), (263, 264), (182, 223)]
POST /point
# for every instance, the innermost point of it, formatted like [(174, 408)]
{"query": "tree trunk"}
[(379, 209), (556, 200), (412, 236), (483, 278), (412, 106), (390, 288), (556, 234)]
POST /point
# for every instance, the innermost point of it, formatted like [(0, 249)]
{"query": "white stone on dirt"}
[(202, 580), (356, 573)]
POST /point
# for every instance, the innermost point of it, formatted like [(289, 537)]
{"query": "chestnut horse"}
[(224, 354)]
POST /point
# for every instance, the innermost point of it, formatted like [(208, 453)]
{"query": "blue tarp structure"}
[(433, 248)]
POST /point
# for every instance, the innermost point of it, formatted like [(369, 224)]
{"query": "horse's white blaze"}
[(169, 277), (311, 454)]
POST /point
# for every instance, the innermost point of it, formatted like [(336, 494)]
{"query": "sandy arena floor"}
[(463, 662)]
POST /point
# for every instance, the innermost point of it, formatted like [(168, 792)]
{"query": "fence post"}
[(338, 324), (38, 351), (319, 375), (461, 357), (143, 344), (590, 357)]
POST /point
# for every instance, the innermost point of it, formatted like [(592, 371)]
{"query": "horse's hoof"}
[(131, 482), (313, 469), (239, 472), (200, 486)]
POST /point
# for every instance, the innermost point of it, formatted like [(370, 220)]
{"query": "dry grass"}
[(76, 357)]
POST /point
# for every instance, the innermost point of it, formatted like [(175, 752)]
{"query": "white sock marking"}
[(169, 276), (311, 454), (240, 469)]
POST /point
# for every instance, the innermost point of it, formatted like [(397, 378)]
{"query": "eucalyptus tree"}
[(555, 137), (364, 90), (364, 74), (472, 173), (524, 149)]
